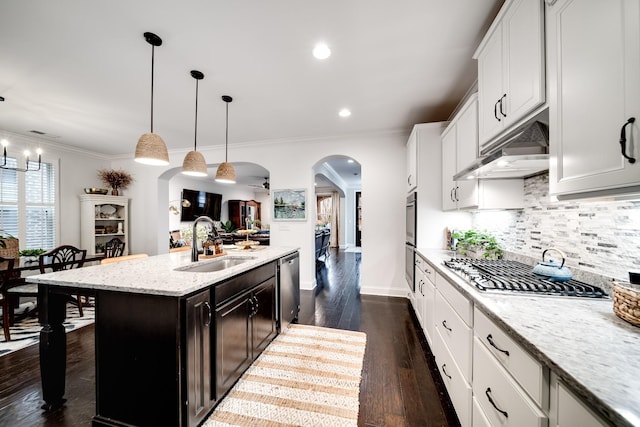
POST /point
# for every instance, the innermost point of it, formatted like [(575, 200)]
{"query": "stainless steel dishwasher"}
[(288, 290)]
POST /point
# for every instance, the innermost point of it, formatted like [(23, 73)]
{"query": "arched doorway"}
[(337, 180)]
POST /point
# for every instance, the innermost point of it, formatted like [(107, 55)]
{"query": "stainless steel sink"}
[(215, 265)]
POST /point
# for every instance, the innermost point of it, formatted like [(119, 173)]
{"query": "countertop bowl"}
[(95, 191)]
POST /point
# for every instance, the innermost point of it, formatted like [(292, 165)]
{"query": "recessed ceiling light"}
[(321, 51), (344, 112)]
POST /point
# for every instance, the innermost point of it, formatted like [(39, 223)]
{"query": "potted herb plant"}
[(116, 179), (475, 244)]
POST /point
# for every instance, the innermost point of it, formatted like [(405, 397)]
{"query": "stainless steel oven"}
[(411, 219), (410, 240)]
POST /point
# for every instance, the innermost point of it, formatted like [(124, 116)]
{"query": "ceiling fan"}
[(264, 186)]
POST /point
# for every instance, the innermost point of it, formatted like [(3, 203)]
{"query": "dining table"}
[(29, 266)]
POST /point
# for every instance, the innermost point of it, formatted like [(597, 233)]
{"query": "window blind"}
[(9, 199), (40, 197)]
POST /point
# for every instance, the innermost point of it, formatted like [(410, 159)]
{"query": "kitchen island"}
[(170, 339), (580, 341)]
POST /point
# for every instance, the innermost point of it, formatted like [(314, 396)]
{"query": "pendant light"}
[(226, 174), (151, 149), (194, 164)]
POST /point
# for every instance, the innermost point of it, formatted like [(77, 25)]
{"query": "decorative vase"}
[(114, 192)]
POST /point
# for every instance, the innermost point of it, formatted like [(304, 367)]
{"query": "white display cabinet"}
[(101, 219)]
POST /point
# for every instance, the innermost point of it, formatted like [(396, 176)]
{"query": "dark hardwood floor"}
[(397, 388)]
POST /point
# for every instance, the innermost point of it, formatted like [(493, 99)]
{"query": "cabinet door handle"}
[(444, 323), (207, 321), (501, 103), (623, 140), (409, 180), (490, 339), (456, 193), (444, 369), (495, 110), (488, 393)]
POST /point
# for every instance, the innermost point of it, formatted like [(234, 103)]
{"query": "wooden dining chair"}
[(114, 248), (6, 277), (64, 257), (122, 258)]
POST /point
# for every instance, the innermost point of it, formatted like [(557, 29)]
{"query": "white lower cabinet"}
[(532, 376), (567, 410), (456, 335), (459, 390), (429, 310), (453, 336), (502, 400), (479, 418)]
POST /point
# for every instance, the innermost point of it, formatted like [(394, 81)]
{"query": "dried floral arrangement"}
[(116, 179)]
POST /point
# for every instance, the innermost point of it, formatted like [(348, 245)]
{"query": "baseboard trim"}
[(385, 292)]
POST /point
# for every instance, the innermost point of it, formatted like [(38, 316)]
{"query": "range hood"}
[(522, 153)]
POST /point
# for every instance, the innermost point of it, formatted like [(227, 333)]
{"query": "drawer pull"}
[(488, 393), (444, 323), (444, 369), (490, 339)]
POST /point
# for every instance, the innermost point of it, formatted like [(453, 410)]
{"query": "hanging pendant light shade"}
[(151, 149), (226, 174), (194, 163)]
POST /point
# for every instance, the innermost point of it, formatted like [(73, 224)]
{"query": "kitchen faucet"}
[(194, 239)]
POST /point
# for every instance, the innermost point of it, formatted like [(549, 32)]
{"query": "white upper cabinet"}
[(594, 92), (459, 149), (412, 161), (511, 78)]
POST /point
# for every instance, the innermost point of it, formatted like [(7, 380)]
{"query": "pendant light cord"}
[(153, 51), (226, 137), (195, 135)]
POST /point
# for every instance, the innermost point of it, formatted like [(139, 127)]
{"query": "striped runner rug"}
[(308, 376)]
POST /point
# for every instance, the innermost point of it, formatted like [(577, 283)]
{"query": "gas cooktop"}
[(515, 277)]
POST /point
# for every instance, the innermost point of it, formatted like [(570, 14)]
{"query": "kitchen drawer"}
[(479, 418), (568, 410), (496, 391), (456, 334), (526, 370), (420, 263), (459, 302), (429, 272), (459, 389)]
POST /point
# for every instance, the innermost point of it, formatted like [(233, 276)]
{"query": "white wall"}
[(290, 164), (77, 170)]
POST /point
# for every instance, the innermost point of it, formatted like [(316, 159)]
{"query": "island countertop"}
[(158, 275), (580, 339)]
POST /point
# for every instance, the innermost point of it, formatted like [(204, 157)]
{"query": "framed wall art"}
[(289, 205)]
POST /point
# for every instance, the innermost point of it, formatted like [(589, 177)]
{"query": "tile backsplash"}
[(600, 237)]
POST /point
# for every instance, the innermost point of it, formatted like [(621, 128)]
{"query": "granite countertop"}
[(157, 274), (579, 339)]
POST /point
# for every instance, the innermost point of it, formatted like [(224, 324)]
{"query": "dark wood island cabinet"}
[(166, 359)]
